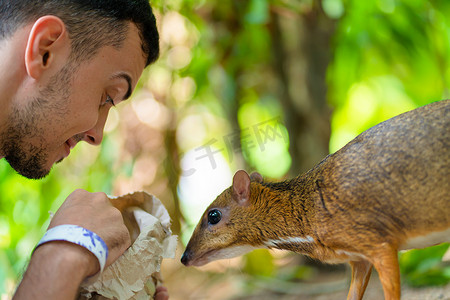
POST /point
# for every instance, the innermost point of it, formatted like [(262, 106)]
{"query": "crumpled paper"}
[(135, 275)]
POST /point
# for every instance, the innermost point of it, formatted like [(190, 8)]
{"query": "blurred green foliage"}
[(389, 56), (253, 265), (425, 267)]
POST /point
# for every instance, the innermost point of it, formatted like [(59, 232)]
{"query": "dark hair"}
[(91, 24)]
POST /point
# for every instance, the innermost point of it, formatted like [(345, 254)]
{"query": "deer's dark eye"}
[(214, 216)]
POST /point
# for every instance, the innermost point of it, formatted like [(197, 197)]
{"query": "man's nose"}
[(94, 136)]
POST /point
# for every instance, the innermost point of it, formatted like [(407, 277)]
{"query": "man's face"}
[(73, 106)]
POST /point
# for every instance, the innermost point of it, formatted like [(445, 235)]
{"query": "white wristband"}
[(80, 236)]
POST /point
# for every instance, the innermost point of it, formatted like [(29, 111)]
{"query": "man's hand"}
[(57, 268), (94, 212), (161, 293)]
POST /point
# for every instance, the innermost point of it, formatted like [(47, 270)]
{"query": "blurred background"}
[(264, 85)]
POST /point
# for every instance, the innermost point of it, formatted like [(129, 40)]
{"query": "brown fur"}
[(359, 205)]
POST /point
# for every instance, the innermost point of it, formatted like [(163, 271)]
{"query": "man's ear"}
[(48, 38)]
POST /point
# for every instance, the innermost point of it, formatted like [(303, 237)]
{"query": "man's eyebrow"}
[(128, 80)]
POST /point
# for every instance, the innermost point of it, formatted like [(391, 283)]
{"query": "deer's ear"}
[(241, 188), (255, 176)]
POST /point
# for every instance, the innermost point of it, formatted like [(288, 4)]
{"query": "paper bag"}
[(135, 275)]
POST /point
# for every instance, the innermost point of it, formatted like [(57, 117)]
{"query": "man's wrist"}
[(79, 236), (69, 256), (55, 271)]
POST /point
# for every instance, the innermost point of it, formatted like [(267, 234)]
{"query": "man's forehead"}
[(135, 35), (132, 59)]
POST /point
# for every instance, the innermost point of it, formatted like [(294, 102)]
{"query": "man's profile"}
[(65, 64)]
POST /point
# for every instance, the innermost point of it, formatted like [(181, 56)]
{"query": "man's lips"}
[(69, 144), (67, 150)]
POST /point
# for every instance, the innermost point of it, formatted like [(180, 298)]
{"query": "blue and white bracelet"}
[(80, 236)]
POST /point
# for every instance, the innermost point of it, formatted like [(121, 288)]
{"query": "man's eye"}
[(109, 100)]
